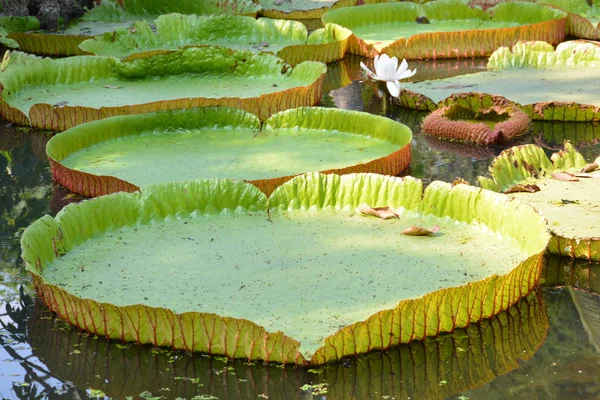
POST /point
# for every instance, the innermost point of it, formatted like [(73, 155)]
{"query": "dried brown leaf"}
[(381, 212), (590, 167), (565, 176), (459, 181), (520, 187), (419, 231), (112, 87)]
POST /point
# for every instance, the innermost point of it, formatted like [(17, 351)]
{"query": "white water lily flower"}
[(387, 70)]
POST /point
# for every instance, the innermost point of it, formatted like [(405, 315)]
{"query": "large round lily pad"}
[(121, 153), (115, 14), (548, 84), (564, 195), (289, 40), (59, 94), (301, 277), (445, 28)]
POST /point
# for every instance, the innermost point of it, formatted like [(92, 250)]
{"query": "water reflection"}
[(433, 369)]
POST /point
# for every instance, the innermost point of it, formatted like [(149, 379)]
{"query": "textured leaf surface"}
[(15, 24), (465, 359), (582, 19), (569, 206), (258, 83), (120, 153), (312, 238), (110, 16), (547, 85), (455, 30), (300, 9), (287, 39)]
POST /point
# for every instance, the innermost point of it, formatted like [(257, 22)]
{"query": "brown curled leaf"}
[(590, 167), (459, 181), (520, 187), (112, 87), (419, 231), (381, 212), (565, 176)]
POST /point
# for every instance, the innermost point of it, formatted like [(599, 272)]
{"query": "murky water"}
[(546, 347)]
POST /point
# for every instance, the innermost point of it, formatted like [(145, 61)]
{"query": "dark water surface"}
[(546, 347)]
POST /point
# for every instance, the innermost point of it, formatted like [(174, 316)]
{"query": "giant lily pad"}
[(114, 14), (59, 94), (15, 24), (120, 153), (300, 9), (465, 359), (445, 28), (301, 277), (569, 203), (287, 39), (582, 18), (548, 84)]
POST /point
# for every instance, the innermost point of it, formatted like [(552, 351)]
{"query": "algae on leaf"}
[(569, 205), (61, 93), (120, 153), (308, 234)]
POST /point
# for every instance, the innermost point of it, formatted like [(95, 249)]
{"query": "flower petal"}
[(386, 67), (394, 88), (403, 72), (367, 71)]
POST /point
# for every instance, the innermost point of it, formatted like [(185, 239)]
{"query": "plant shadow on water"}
[(41, 357)]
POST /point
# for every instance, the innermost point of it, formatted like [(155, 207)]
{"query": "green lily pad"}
[(548, 84), (289, 40), (571, 207), (240, 275), (59, 94), (445, 28), (15, 24), (300, 9), (582, 18), (465, 359), (118, 14), (120, 153), (552, 135)]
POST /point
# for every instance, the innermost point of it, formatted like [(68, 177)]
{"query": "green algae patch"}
[(565, 196), (111, 15), (288, 40), (120, 153), (58, 94), (547, 84), (445, 28), (343, 283)]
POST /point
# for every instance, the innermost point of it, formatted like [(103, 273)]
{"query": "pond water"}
[(546, 347)]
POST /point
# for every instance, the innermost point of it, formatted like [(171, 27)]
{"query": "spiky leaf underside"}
[(569, 206), (487, 350), (455, 30), (287, 39), (109, 15), (62, 93), (569, 76), (225, 143), (313, 266), (497, 124)]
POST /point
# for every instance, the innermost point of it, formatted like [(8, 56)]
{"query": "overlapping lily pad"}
[(287, 39), (582, 19), (119, 154), (15, 24), (59, 94), (445, 28), (300, 9), (564, 195), (383, 288), (548, 84), (114, 14)]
